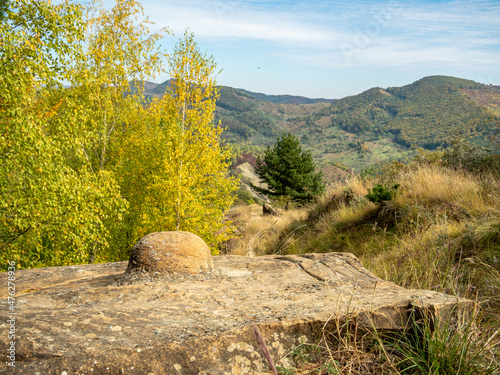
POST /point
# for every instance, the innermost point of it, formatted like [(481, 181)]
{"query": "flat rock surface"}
[(90, 319)]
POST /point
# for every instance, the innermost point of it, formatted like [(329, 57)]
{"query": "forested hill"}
[(358, 131), (427, 113), (278, 99)]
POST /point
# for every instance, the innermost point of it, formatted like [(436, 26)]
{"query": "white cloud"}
[(226, 19), (319, 24), (455, 34), (339, 35)]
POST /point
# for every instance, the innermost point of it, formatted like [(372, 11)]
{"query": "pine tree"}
[(289, 171)]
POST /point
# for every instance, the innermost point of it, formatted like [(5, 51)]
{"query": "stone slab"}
[(90, 319)]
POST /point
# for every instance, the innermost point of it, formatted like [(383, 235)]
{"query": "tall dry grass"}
[(259, 234), (440, 232), (436, 186)]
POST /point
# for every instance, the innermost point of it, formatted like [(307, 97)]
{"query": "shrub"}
[(245, 196), (380, 193), (473, 158)]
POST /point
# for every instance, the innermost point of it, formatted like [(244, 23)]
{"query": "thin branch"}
[(15, 238), (263, 346), (87, 157)]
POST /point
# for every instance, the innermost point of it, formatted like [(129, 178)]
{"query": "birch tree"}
[(50, 211), (119, 53), (87, 169), (186, 176)]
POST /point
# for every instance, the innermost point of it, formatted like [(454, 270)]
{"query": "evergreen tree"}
[(289, 171)]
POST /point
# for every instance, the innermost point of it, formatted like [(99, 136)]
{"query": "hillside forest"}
[(360, 131)]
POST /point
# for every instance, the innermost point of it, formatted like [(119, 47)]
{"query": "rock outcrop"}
[(171, 253), (89, 319), (267, 209)]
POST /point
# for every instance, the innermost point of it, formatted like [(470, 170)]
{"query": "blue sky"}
[(333, 49)]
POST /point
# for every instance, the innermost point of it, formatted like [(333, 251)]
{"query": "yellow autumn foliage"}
[(88, 169)]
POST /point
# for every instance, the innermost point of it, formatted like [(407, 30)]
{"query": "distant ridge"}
[(355, 132), (284, 99), (151, 88), (375, 126), (158, 89)]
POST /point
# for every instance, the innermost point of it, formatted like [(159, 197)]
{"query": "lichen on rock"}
[(84, 320)]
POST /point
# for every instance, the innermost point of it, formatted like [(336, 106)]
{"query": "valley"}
[(356, 132)]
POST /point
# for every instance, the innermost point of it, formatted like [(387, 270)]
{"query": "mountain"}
[(259, 118), (281, 99), (361, 130), (427, 113), (372, 127), (151, 89)]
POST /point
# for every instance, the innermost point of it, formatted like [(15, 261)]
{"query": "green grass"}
[(450, 347)]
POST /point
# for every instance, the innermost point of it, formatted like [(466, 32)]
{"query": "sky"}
[(332, 49)]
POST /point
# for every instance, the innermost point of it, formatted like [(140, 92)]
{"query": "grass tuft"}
[(454, 346)]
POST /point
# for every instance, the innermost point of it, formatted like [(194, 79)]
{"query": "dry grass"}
[(257, 233), (428, 345), (441, 232), (434, 186)]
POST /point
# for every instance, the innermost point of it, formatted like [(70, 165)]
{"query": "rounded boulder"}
[(172, 253)]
